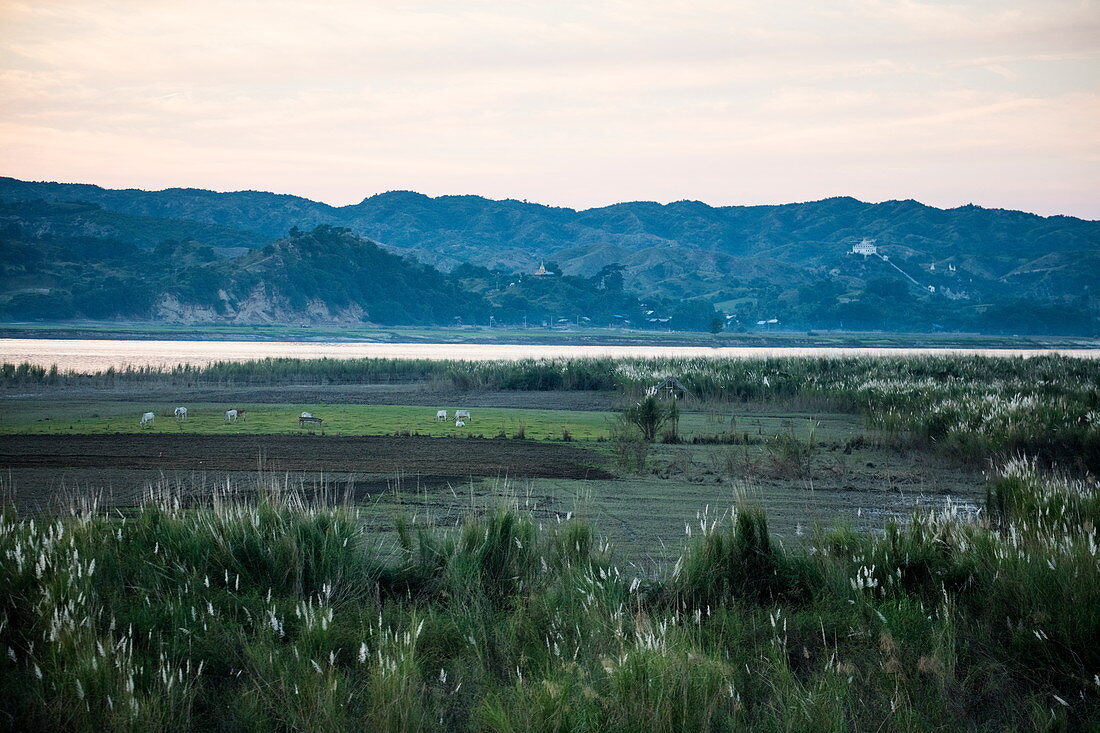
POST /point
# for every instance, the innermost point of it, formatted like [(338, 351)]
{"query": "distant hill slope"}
[(268, 214), (42, 218), (325, 275), (79, 267), (333, 274), (756, 261), (446, 231)]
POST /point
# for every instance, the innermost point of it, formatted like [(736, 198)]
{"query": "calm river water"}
[(98, 354)]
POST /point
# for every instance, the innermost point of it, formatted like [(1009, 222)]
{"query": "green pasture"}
[(102, 416), (96, 417)]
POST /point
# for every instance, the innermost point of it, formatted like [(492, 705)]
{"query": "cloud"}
[(569, 103)]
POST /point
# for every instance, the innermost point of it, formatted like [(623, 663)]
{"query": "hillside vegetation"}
[(326, 275), (965, 268)]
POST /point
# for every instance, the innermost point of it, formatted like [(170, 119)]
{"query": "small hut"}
[(670, 388)]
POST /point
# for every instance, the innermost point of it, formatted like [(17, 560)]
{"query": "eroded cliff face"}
[(169, 309), (259, 306)]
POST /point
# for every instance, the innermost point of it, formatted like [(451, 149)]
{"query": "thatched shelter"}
[(669, 389)]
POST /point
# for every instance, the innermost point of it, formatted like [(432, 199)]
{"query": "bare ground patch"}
[(42, 467)]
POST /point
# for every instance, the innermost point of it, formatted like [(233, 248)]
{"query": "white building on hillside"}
[(865, 247)]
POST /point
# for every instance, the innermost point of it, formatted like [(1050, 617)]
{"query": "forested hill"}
[(83, 267), (326, 275), (683, 248), (792, 262)]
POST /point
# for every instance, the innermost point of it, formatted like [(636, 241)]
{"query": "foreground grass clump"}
[(262, 610)]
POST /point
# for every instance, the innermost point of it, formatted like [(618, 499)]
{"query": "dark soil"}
[(43, 468)]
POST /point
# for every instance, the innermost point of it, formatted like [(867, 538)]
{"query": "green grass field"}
[(209, 419), (121, 416)]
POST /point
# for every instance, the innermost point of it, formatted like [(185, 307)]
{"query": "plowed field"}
[(41, 466)]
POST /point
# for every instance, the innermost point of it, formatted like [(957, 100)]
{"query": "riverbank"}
[(110, 356), (575, 336)]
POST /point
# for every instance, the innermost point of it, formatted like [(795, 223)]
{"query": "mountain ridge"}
[(5, 180), (757, 262)]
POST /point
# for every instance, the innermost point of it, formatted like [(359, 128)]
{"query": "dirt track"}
[(41, 465)]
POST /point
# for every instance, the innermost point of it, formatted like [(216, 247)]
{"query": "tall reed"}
[(263, 609)]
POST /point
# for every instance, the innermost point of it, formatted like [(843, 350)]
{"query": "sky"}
[(578, 104)]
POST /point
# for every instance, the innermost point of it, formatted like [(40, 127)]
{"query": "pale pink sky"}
[(566, 103)]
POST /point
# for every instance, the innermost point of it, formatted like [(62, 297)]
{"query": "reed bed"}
[(266, 607), (262, 609), (972, 406)]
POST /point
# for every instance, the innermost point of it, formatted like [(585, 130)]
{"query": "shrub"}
[(649, 415)]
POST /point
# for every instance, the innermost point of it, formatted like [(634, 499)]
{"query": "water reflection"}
[(92, 355)]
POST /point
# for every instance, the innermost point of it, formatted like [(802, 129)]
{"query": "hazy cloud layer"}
[(576, 104)]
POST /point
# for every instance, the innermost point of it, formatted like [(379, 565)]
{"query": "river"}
[(91, 355)]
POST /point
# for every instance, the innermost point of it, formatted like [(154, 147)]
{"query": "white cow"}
[(459, 424), (462, 414), (231, 416), (181, 412), (147, 419), (441, 416)]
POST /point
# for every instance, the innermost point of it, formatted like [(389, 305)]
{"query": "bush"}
[(789, 456), (630, 447), (733, 561), (649, 415)]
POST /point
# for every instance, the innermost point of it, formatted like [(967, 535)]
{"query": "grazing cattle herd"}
[(306, 418)]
